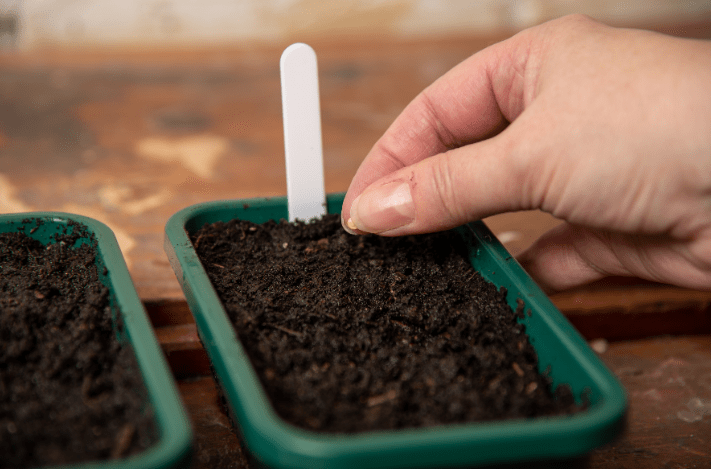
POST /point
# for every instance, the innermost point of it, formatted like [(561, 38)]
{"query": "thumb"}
[(443, 191)]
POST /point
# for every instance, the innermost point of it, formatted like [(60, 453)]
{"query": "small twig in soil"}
[(401, 324), (86, 387), (494, 383), (286, 330), (382, 398), (123, 441), (200, 236), (218, 265)]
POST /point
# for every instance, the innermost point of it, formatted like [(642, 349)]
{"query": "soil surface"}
[(356, 333), (69, 391)]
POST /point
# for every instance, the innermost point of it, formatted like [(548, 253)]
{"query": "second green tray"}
[(174, 446)]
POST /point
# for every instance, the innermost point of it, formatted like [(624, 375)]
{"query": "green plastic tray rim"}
[(277, 444), (174, 447)]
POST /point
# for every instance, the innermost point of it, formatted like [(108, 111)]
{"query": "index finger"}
[(473, 101)]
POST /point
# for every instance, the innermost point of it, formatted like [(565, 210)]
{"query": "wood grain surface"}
[(130, 137)]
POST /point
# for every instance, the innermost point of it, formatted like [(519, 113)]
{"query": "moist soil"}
[(356, 333), (69, 390)]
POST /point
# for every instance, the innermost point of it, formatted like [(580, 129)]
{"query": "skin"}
[(607, 129)]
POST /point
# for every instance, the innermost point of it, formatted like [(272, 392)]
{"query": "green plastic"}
[(276, 444), (174, 446)]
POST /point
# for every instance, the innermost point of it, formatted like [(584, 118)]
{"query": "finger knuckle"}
[(576, 19), (432, 114), (445, 187)]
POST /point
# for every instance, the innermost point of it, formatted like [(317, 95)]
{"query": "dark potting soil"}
[(69, 391), (355, 333)]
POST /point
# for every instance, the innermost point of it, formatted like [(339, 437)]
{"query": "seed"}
[(382, 398), (123, 440), (599, 345)]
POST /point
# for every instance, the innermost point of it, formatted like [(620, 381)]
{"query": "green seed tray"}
[(174, 446), (277, 444)]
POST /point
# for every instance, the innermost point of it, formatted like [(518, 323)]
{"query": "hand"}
[(608, 129)]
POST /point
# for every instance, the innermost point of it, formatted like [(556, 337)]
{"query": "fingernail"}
[(383, 208), (349, 226)]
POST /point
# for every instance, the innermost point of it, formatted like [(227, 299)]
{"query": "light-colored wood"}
[(668, 380)]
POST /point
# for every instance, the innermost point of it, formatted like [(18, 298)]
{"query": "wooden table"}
[(131, 137)]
